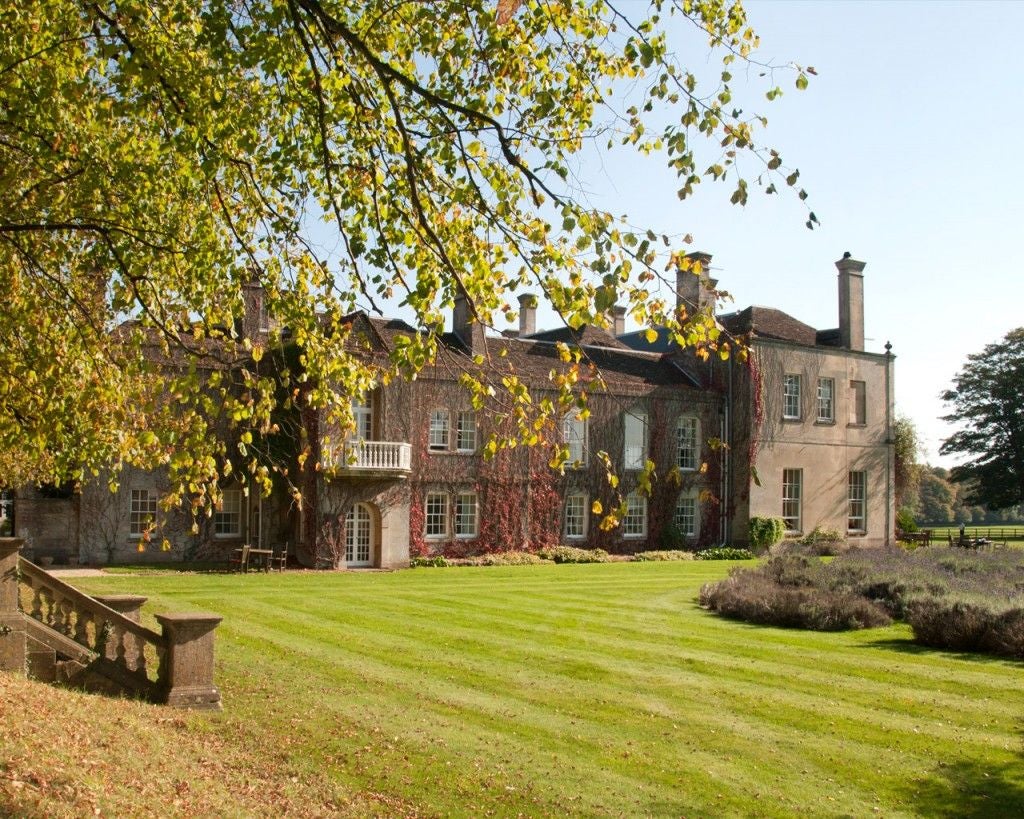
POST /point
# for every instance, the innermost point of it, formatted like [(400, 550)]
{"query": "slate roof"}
[(638, 341), (585, 336), (531, 358), (767, 322)]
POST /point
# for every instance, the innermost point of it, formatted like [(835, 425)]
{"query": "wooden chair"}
[(279, 560), (240, 559)]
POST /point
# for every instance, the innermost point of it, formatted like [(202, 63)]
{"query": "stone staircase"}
[(57, 634)]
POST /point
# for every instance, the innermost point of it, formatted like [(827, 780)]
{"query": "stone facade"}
[(806, 422)]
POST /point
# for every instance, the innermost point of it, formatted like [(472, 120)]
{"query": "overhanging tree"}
[(986, 399), (156, 157)]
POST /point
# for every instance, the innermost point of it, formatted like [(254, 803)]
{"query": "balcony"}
[(375, 459)]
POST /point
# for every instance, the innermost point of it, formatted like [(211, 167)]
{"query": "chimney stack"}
[(255, 323), (618, 320), (527, 315), (851, 302), (465, 325), (693, 290)]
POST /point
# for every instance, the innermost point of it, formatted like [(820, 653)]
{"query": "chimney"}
[(693, 291), (465, 325), (527, 315), (618, 320), (851, 302), (255, 323)]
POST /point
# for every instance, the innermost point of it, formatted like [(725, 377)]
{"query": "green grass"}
[(592, 689)]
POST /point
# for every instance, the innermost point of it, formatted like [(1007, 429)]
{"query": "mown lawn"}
[(593, 689)]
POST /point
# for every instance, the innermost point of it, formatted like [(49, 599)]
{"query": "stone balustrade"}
[(175, 667), (377, 456)]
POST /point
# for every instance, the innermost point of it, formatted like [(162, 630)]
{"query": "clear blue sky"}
[(908, 142)]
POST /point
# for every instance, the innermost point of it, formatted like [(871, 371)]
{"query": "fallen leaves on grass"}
[(67, 754)]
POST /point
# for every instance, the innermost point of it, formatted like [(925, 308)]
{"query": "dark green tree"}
[(937, 498), (986, 400)]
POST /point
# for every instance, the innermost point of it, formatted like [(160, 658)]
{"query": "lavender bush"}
[(951, 598)]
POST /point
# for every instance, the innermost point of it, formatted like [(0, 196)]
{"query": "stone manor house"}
[(806, 425)]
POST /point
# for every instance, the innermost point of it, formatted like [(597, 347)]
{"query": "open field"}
[(542, 690)]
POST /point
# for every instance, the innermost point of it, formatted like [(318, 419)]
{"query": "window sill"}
[(788, 420), (856, 533), (824, 423), (852, 425), (634, 537)]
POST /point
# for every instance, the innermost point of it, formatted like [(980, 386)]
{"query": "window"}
[(435, 515), (576, 515), (465, 434), (634, 524), (362, 415), (227, 521), (826, 400), (635, 454), (465, 515), (439, 430), (685, 517), (791, 396), (858, 403), (687, 435), (574, 433), (858, 502), (6, 513), (141, 512), (792, 479)]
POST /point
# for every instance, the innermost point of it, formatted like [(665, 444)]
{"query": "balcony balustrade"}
[(375, 458)]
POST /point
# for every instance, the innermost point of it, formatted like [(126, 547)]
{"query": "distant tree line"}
[(929, 495), (938, 500)]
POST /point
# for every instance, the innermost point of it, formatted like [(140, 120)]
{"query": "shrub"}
[(821, 535), (573, 554), (953, 599), (952, 624), (765, 532), (905, 520), (1006, 634), (751, 596), (725, 553), (818, 548), (672, 538), (422, 562), (662, 555), (512, 558)]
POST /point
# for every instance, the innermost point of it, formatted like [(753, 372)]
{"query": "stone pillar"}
[(12, 621), (127, 604), (187, 677)]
